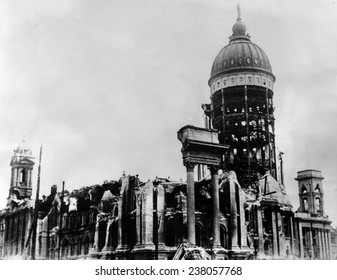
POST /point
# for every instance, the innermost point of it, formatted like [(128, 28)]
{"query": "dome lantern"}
[(241, 57)]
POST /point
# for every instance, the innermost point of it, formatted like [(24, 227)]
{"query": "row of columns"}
[(16, 232), (323, 242), (191, 205), (238, 232), (278, 238), (150, 212)]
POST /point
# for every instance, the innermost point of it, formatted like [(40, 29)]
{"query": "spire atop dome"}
[(239, 28), (239, 11)]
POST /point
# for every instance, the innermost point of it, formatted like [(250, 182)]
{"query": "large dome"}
[(241, 55)]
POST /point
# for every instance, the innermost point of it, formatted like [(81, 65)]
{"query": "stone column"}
[(323, 244), (107, 246), (147, 218), (17, 178), (282, 247), (28, 177), (139, 218), (242, 224), (96, 238), (15, 181), (215, 207), (27, 230), (301, 240), (29, 181), (19, 232), (311, 242), (320, 244), (123, 226), (292, 235), (12, 177), (44, 237), (233, 217), (275, 232), (329, 245), (260, 228), (190, 203), (161, 214)]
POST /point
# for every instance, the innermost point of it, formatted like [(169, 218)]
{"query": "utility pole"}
[(36, 211)]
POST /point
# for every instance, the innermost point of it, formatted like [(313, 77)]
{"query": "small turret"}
[(21, 174)]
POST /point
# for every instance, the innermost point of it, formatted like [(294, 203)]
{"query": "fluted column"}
[(190, 203), (215, 207)]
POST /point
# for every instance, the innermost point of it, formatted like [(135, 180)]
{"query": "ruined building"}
[(313, 223), (238, 210)]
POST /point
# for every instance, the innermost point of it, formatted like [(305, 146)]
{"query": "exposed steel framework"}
[(245, 120)]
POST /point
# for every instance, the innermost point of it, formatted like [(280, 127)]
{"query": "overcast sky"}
[(104, 86)]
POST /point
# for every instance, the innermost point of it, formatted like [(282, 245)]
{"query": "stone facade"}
[(240, 210), (313, 224), (130, 219)]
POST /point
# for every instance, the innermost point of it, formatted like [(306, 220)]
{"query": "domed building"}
[(242, 112), (242, 109), (242, 212)]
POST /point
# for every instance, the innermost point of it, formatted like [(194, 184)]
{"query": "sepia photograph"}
[(168, 130)]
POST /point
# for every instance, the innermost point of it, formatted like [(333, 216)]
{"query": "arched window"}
[(305, 204), (317, 189), (223, 237), (304, 190), (23, 176)]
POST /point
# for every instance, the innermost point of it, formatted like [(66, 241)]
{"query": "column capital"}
[(190, 166), (214, 169)]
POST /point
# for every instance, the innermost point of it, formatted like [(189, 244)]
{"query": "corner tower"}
[(21, 174), (310, 191), (241, 106)]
